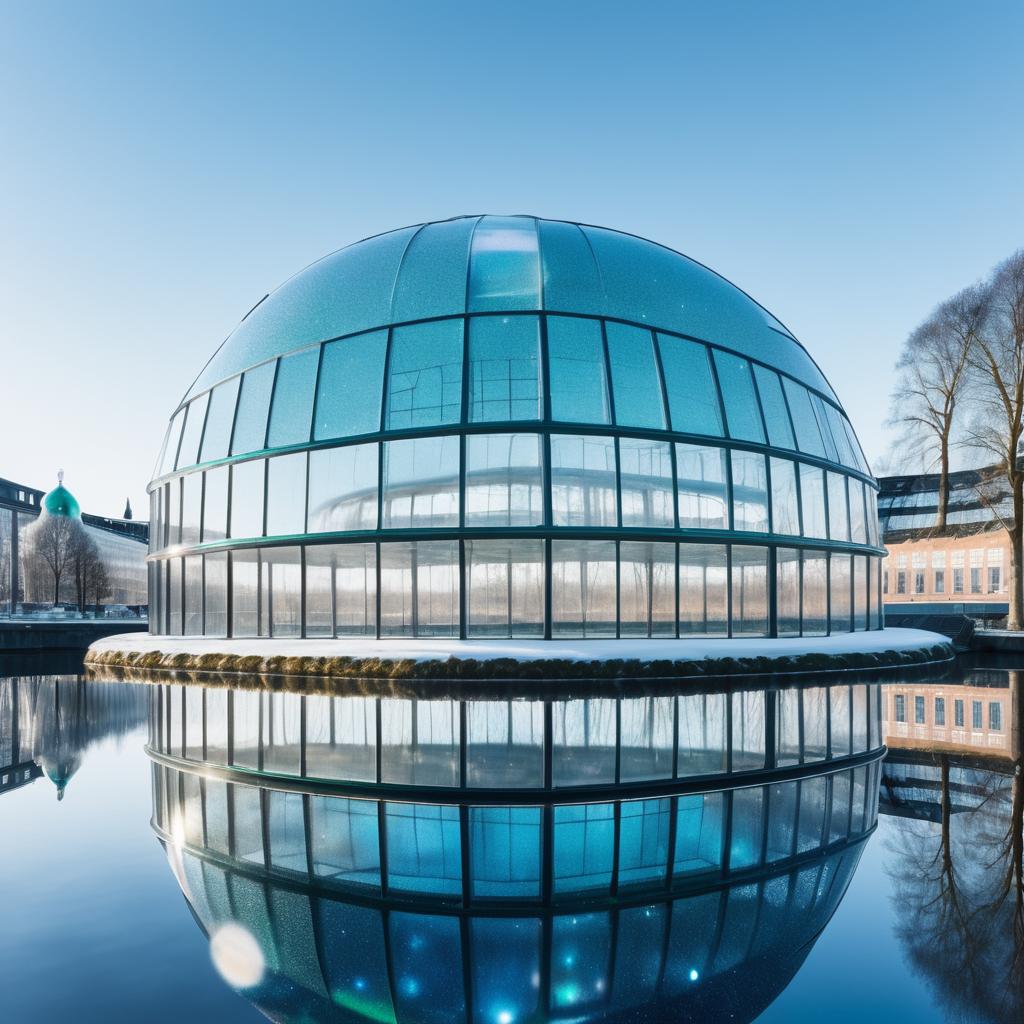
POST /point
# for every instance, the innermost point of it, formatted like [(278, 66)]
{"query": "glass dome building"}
[(511, 427)]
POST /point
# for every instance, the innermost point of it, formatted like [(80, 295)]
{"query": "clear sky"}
[(163, 166)]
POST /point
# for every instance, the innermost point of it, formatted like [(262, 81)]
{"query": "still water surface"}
[(227, 853)]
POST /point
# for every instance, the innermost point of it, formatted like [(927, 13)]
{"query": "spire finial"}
[(60, 477)]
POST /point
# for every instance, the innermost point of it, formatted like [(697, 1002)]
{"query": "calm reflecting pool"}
[(193, 851)]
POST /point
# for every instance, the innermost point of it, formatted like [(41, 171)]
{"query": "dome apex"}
[(60, 501)]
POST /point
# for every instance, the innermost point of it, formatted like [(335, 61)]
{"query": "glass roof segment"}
[(432, 279), (504, 265), (572, 279)]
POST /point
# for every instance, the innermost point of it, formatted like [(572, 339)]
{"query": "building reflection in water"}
[(48, 722), (952, 783), (495, 860)]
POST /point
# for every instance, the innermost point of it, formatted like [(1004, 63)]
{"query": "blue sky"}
[(165, 165)]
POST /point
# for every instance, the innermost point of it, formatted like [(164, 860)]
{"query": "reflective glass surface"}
[(424, 386), (350, 387), (250, 431), (504, 357), (636, 389), (692, 396), (291, 409), (576, 369)]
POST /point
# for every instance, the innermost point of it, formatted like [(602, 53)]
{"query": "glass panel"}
[(646, 741), (170, 452), (838, 428), (692, 399), (571, 279), (292, 409), (808, 436), (424, 852), (838, 521), (699, 833), (839, 585), (647, 593), (815, 594), (812, 501), (635, 384), (425, 375), (703, 607), (250, 431), (245, 593), (193, 623), (505, 743), (643, 841), (216, 594), (434, 271), (420, 742), (505, 852), (420, 589), (349, 573), (219, 420), (749, 591), (191, 507), (645, 471), (282, 583), (824, 429), (215, 504), (773, 404), (860, 592), (188, 454), (701, 476), (858, 518), (341, 738), (421, 482), (247, 498), (747, 828), (578, 381), (749, 491), (505, 587), (504, 381), (504, 265), (503, 480), (748, 729), (584, 845), (343, 489), (583, 484), (787, 596), (581, 958), (583, 588), (346, 846), (286, 495), (781, 831), (741, 410), (785, 505), (348, 395)]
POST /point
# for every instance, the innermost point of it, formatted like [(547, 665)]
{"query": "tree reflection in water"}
[(956, 848)]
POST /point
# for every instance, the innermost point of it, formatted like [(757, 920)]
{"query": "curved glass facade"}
[(569, 455), (491, 859)]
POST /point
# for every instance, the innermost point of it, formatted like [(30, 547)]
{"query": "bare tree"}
[(52, 539), (933, 373), (87, 569), (997, 364)]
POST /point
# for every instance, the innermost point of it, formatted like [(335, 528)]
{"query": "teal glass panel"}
[(345, 292), (353, 955), (584, 845), (346, 844), (292, 406), (505, 852), (643, 841), (741, 412), (699, 833), (504, 380), (635, 384), (773, 403), (692, 400), (747, 827), (858, 452), (247, 498), (219, 420), (432, 279), (192, 435), (571, 280), (424, 851), (576, 367), (250, 431), (824, 429), (426, 955), (425, 375), (808, 436), (504, 265), (348, 394), (581, 954), (842, 442), (506, 965)]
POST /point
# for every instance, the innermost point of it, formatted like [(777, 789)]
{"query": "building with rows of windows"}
[(511, 427)]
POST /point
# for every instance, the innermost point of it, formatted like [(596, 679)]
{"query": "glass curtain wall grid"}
[(363, 794), (513, 474)]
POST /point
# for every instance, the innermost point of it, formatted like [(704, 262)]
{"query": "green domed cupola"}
[(60, 501)]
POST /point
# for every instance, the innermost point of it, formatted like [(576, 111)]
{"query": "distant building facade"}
[(967, 561), (122, 546)]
